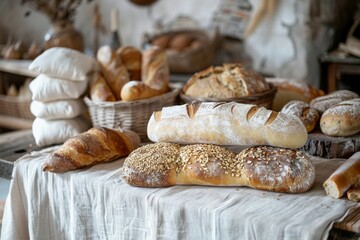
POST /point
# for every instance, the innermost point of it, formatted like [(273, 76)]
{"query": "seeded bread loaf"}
[(261, 167), (226, 124), (308, 115), (346, 176), (227, 81), (342, 120), (324, 102)]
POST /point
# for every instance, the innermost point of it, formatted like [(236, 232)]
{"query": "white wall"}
[(282, 46)]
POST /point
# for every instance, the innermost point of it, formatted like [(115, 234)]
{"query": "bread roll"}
[(100, 90), (324, 102), (180, 42), (135, 90), (97, 145), (227, 81), (308, 115), (105, 55), (155, 69), (347, 175), (131, 57), (353, 194), (291, 89), (161, 41), (266, 168), (342, 119), (226, 124)]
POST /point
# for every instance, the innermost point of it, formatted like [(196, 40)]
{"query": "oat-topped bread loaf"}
[(262, 167), (227, 81)]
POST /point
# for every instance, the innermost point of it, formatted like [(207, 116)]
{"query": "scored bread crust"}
[(260, 167), (227, 81), (97, 145), (322, 103), (226, 124)]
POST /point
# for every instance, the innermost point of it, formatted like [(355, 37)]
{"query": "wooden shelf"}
[(15, 123), (19, 67)]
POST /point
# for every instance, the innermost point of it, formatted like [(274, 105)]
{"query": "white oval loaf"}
[(226, 124)]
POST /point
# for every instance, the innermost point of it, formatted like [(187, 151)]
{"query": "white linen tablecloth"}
[(95, 203)]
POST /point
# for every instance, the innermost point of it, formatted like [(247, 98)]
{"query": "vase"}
[(63, 34)]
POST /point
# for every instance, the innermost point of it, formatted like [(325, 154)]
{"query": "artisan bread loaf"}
[(100, 90), (308, 115), (135, 90), (113, 70), (131, 57), (291, 89), (97, 145), (155, 69), (226, 124), (353, 194), (346, 176), (227, 81), (342, 119), (324, 102), (261, 167)]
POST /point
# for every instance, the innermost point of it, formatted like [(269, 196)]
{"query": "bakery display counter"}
[(95, 203)]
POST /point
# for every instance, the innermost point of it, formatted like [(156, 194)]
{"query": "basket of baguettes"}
[(231, 82), (130, 86)]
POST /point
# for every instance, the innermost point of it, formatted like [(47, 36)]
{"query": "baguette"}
[(155, 69), (97, 145), (131, 57), (226, 124), (261, 167), (100, 90), (135, 90), (353, 194), (342, 120), (346, 176)]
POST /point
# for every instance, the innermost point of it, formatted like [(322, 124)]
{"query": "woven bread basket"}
[(264, 99), (132, 115), (15, 107)]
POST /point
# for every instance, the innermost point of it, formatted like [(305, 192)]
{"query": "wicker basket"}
[(264, 99), (15, 107), (132, 115)]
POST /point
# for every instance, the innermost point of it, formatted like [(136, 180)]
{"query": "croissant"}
[(97, 145)]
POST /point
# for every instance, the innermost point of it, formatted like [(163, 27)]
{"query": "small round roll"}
[(342, 119)]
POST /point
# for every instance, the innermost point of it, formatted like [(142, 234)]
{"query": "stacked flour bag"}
[(57, 95)]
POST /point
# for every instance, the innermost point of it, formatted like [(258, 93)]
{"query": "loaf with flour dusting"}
[(226, 124), (342, 119), (261, 167), (308, 115), (324, 102)]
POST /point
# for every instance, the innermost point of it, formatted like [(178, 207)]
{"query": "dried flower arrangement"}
[(56, 10)]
